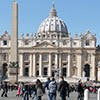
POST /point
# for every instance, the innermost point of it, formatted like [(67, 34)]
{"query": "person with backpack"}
[(46, 85), (53, 89), (63, 89)]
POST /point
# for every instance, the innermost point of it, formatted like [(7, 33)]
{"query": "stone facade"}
[(51, 50)]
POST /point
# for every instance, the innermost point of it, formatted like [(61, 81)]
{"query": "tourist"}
[(5, 89), (53, 89), (33, 91), (46, 85), (63, 89), (26, 93), (80, 91), (39, 89), (18, 90)]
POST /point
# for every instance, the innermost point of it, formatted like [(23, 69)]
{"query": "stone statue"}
[(83, 74)]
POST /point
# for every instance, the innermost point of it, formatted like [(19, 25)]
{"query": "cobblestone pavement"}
[(73, 96)]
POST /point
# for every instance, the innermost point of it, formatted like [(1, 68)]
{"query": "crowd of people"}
[(36, 90)]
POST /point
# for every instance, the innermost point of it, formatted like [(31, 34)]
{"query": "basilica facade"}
[(51, 50)]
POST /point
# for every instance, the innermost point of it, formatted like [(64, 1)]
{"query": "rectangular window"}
[(4, 42), (64, 57), (26, 42), (26, 56), (45, 71), (45, 57)]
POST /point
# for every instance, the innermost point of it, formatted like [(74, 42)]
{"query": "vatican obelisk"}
[(14, 43)]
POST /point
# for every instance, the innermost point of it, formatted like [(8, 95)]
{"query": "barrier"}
[(98, 95), (86, 94)]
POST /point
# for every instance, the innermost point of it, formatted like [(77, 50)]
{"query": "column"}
[(40, 65), (30, 68), (21, 65), (92, 68), (50, 65), (79, 64), (56, 60), (60, 64), (34, 64), (69, 66)]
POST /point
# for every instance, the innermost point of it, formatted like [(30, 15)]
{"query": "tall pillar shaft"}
[(34, 65), (49, 69), (31, 69), (40, 67), (56, 60), (21, 65), (14, 36), (69, 66), (60, 64), (79, 64), (93, 72)]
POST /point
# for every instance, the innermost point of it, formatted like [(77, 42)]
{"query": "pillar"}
[(34, 64), (60, 64), (40, 67), (69, 66), (50, 65), (21, 65), (79, 64), (56, 60), (93, 72), (30, 68)]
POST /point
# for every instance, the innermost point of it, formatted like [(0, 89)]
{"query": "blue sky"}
[(79, 15)]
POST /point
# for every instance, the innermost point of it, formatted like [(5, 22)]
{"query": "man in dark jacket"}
[(63, 88), (80, 91), (5, 89), (46, 85)]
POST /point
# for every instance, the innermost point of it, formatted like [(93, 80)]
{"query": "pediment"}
[(45, 45), (88, 35)]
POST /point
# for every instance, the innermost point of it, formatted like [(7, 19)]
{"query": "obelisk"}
[(14, 40)]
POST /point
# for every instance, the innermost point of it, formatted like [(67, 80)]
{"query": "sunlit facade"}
[(50, 50)]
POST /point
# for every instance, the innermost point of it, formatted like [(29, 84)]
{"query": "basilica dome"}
[(53, 24)]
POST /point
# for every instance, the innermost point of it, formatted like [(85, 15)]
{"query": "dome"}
[(53, 24)]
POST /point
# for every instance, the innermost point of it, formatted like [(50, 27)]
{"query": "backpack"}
[(53, 87)]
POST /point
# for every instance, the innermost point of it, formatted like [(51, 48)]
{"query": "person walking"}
[(80, 91), (53, 89), (5, 90), (63, 88), (18, 90), (26, 93), (39, 90), (46, 85)]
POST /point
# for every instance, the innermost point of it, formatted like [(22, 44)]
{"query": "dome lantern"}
[(53, 11)]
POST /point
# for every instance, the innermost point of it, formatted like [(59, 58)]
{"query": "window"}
[(26, 56), (37, 43), (45, 71), (26, 42), (45, 57), (4, 42), (37, 57), (74, 43), (64, 57), (64, 42), (53, 43), (87, 43)]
